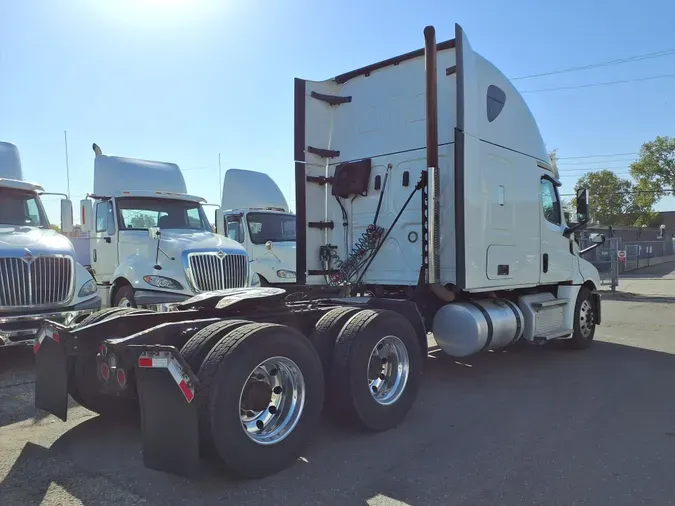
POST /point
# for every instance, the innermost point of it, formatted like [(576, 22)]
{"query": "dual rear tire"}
[(262, 386)]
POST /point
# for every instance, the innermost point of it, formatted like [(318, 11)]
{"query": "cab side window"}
[(104, 215), (235, 230), (101, 216), (550, 202)]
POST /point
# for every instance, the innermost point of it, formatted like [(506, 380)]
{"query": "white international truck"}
[(39, 277), (151, 243), (424, 191), (257, 216)]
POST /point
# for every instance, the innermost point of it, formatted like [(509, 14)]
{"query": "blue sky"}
[(184, 80)]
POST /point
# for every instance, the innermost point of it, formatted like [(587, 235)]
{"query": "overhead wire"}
[(656, 54)]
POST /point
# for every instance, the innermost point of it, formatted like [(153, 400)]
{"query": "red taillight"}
[(121, 378), (36, 346), (105, 371), (103, 350), (145, 362)]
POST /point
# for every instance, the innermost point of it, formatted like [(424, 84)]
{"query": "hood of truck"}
[(282, 252), (39, 241), (178, 241)]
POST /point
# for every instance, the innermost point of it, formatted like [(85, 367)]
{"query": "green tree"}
[(617, 201), (142, 221), (654, 170)]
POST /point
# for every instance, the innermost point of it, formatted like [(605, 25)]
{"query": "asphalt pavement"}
[(535, 426)]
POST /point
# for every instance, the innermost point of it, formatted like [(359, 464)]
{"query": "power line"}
[(584, 162), (657, 54), (627, 192), (592, 169), (595, 156), (608, 83)]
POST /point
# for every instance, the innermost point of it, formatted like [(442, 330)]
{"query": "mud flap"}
[(51, 371), (168, 423)]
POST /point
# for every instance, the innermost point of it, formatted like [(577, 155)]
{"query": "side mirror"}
[(220, 222), (596, 238), (582, 205), (86, 215), (154, 233), (66, 216)]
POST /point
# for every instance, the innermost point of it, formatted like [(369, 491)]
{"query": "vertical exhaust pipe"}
[(430, 51)]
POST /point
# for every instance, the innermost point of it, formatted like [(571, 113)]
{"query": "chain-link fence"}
[(605, 259), (616, 256)]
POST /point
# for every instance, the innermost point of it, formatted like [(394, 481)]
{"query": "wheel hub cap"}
[(388, 370), (272, 400)]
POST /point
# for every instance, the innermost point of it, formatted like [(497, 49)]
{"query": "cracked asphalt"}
[(536, 426)]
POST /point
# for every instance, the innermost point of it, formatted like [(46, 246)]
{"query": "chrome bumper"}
[(21, 330)]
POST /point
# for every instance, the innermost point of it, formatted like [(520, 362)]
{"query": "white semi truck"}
[(39, 277), (151, 243), (422, 186), (257, 216)]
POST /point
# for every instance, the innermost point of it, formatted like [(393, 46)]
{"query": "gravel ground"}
[(537, 426)]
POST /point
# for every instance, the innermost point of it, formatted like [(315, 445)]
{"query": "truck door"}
[(556, 261), (235, 228), (104, 255)]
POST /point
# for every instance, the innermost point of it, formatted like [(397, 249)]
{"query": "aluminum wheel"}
[(586, 319), (272, 400), (124, 302), (388, 370)]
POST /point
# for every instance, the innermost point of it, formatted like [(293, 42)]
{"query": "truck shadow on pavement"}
[(499, 428), (16, 386)]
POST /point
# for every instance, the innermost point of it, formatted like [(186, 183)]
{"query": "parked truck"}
[(257, 216), (424, 190), (39, 277), (151, 243)]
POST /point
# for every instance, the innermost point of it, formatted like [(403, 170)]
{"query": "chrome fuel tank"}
[(464, 328)]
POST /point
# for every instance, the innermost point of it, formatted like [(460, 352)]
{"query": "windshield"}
[(142, 213), (21, 208), (273, 227)]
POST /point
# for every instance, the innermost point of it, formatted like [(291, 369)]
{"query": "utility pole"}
[(220, 181)]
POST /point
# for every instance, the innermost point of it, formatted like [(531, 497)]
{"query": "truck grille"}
[(217, 271), (41, 281)]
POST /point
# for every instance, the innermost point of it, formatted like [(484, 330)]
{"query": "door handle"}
[(107, 239), (544, 264), (95, 256)]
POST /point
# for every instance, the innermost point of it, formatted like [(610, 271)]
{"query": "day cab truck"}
[(257, 216), (39, 277), (151, 243), (425, 192)]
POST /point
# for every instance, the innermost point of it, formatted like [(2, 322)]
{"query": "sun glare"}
[(158, 14)]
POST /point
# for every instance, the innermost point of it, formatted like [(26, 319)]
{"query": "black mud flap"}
[(598, 307), (168, 422), (51, 370)]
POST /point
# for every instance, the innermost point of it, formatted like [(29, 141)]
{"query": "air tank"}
[(464, 328)]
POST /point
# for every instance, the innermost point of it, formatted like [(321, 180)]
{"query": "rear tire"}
[(229, 394), (326, 332), (368, 384), (100, 315), (584, 321), (83, 384), (195, 350)]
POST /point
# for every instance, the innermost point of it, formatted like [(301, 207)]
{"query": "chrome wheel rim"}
[(388, 370), (272, 400), (586, 320)]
